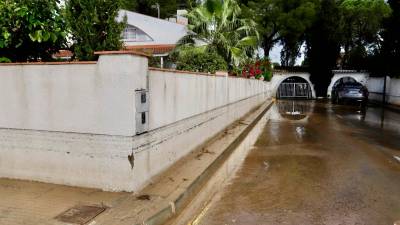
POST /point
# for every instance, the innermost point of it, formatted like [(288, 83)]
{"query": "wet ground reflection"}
[(317, 163), (294, 110), (373, 116), (373, 124)]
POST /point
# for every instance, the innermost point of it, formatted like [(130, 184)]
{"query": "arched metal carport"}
[(292, 86), (360, 77)]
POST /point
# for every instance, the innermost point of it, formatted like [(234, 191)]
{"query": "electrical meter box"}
[(142, 111)]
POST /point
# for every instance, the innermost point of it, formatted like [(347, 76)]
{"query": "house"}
[(147, 34), (152, 35)]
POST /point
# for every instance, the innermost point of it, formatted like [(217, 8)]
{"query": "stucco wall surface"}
[(375, 87), (82, 98), (75, 124), (394, 96), (176, 96)]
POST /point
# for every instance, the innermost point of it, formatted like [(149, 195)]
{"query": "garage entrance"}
[(294, 88)]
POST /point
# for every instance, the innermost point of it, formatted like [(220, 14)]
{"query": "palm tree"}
[(216, 25)]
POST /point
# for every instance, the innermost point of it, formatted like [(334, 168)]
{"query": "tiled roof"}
[(152, 49), (162, 32), (144, 49), (63, 54)]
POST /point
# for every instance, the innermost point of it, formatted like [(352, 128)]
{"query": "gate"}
[(294, 90)]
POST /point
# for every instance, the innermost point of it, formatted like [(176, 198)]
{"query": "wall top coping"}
[(280, 72), (49, 63), (350, 71), (180, 71), (193, 73), (125, 52), (122, 52)]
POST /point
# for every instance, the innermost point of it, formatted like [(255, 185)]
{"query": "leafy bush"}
[(31, 30), (169, 62), (200, 60), (4, 60), (258, 69), (93, 26)]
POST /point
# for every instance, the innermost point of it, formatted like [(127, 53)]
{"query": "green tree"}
[(93, 26), (282, 21), (168, 8), (362, 23), (296, 18), (323, 42), (30, 30), (390, 54), (218, 26)]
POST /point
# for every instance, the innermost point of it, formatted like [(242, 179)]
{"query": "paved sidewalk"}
[(24, 202)]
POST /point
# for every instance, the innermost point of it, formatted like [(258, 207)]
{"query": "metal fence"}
[(294, 90)]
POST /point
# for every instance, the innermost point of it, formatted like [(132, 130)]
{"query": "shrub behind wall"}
[(200, 61), (93, 26)]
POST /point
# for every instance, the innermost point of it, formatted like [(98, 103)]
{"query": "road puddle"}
[(292, 110), (310, 167)]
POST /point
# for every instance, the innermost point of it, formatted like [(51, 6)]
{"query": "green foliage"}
[(169, 61), (323, 41), (4, 60), (389, 57), (218, 26), (362, 23), (167, 7), (257, 69), (363, 19), (93, 26), (30, 30), (200, 60), (357, 58), (282, 21)]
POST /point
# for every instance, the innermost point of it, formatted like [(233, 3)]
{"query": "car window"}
[(353, 84)]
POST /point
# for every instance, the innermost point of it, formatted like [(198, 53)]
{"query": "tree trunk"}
[(267, 46)]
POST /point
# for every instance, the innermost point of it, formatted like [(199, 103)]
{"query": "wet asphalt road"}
[(316, 163)]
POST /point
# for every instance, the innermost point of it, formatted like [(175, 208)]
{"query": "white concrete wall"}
[(375, 87), (75, 124), (175, 96), (160, 148), (394, 92), (82, 98)]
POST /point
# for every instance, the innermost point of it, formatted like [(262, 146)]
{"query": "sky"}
[(275, 54)]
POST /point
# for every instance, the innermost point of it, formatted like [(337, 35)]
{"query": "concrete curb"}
[(391, 107), (193, 189)]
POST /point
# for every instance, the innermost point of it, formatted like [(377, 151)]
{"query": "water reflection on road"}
[(373, 116), (317, 163)]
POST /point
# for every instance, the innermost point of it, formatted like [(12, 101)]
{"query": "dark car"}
[(349, 91)]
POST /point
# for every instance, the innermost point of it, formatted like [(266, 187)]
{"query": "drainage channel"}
[(193, 213)]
